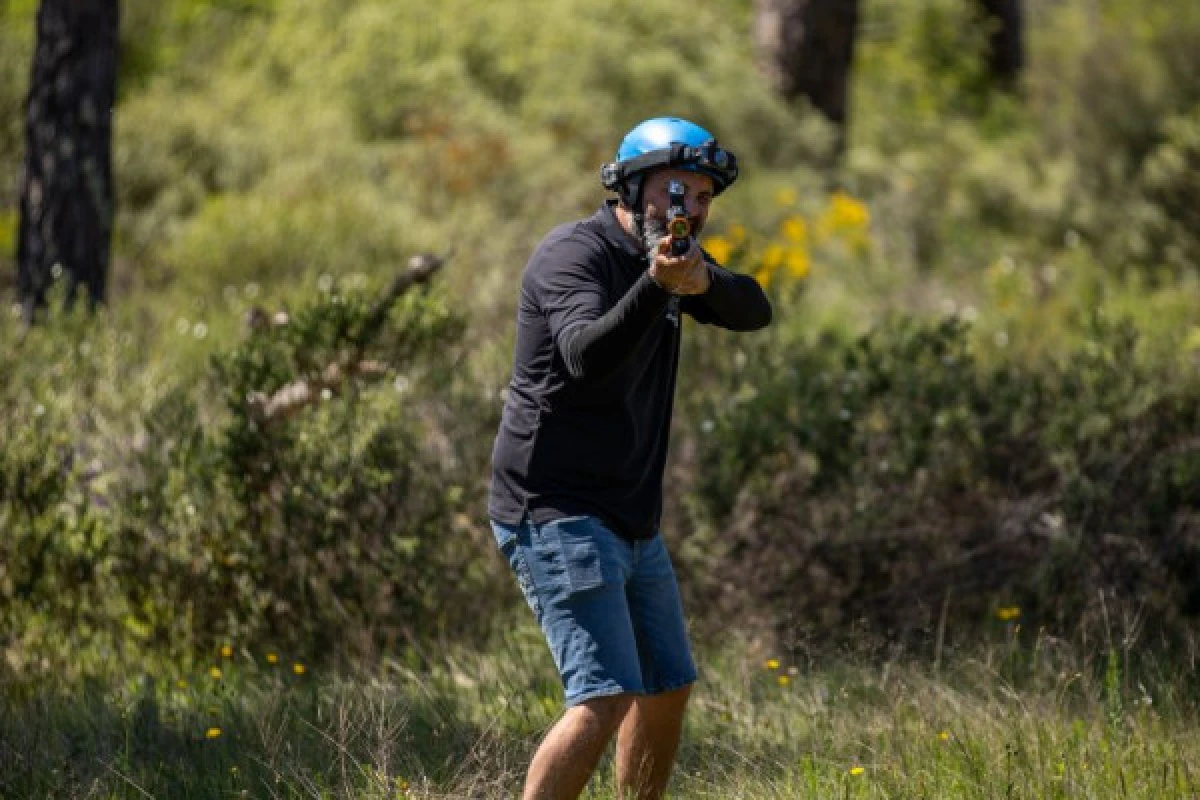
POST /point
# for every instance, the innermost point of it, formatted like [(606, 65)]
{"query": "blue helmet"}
[(666, 142)]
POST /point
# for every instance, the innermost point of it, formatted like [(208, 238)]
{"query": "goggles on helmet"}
[(708, 158)]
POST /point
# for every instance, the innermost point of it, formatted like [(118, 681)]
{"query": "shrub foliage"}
[(334, 520), (841, 481)]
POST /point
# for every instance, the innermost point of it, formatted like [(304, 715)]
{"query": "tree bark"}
[(66, 185), (807, 50), (1006, 45)]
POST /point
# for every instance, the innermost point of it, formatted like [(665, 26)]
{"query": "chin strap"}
[(639, 230), (630, 192)]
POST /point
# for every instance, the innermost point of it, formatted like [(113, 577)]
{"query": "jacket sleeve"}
[(593, 334), (733, 301)]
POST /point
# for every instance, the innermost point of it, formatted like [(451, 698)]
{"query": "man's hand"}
[(683, 275)]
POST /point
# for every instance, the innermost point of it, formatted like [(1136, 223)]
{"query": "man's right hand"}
[(682, 275)]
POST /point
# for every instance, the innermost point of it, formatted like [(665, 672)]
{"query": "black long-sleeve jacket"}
[(587, 412)]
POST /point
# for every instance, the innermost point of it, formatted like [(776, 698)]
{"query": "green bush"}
[(1113, 81), (839, 481), (198, 514), (16, 57), (1170, 188), (339, 133)]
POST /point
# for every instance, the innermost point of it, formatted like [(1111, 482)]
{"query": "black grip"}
[(677, 221)]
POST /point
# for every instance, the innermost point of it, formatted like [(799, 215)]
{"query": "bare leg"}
[(568, 755), (646, 744)]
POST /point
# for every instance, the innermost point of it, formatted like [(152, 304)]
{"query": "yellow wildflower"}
[(1008, 613), (226, 651), (181, 683), (845, 218), (847, 212), (772, 663), (784, 680), (772, 257), (944, 736), (786, 196), (212, 733), (718, 247), (298, 668), (215, 673), (796, 262), (857, 770), (272, 658), (795, 229)]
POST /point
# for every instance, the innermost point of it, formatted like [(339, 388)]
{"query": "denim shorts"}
[(609, 607)]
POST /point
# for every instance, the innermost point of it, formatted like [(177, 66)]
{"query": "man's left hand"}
[(683, 275)]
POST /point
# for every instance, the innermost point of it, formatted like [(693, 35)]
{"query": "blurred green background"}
[(981, 389)]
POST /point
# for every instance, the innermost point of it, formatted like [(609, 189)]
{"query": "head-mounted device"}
[(708, 158)]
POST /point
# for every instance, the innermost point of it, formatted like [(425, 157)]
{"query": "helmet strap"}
[(630, 192), (639, 231)]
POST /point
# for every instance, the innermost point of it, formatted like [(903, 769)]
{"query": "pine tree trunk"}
[(807, 47), (1006, 49), (66, 207)]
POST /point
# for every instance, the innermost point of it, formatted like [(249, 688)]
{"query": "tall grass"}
[(1040, 719)]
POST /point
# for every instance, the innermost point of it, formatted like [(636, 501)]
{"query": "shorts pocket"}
[(574, 543)]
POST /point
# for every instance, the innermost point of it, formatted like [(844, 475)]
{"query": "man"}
[(576, 494)]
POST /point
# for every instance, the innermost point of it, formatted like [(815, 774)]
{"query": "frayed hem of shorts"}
[(608, 691), (612, 691)]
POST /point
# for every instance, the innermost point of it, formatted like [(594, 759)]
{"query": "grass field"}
[(1032, 719)]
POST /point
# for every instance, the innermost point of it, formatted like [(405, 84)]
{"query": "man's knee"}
[(603, 713), (667, 708)]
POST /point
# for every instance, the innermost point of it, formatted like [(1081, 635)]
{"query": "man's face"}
[(697, 200)]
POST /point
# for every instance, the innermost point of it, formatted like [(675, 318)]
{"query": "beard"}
[(653, 230)]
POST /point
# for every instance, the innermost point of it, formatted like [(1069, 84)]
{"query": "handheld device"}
[(681, 235), (677, 220)]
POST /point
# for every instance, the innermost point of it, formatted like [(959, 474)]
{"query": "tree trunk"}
[(807, 47), (66, 207), (1006, 49)]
